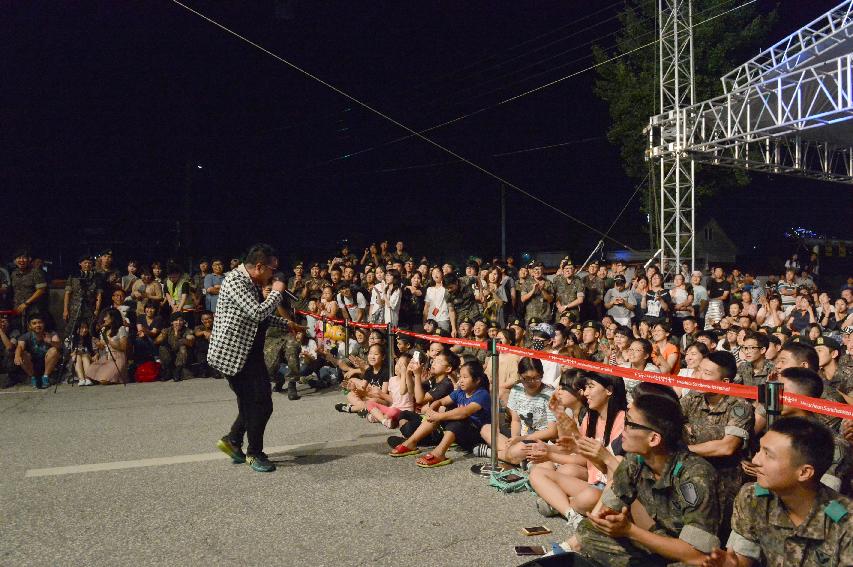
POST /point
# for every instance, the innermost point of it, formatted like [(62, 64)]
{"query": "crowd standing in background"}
[(641, 472)]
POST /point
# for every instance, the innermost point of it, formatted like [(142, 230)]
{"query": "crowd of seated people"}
[(641, 472)]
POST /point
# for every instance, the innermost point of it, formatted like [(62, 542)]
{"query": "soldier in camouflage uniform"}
[(805, 382), (297, 285), (83, 295), (569, 289), (788, 517), (315, 283), (756, 368), (462, 298), (844, 374), (828, 351), (537, 294), (719, 427), (798, 354), (590, 335), (677, 488), (594, 292)]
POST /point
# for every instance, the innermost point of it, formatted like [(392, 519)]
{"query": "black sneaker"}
[(395, 440), (228, 447), (261, 463)]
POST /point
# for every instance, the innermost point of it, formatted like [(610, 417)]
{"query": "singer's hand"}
[(278, 286)]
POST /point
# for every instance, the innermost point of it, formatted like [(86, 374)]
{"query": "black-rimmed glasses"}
[(635, 425)]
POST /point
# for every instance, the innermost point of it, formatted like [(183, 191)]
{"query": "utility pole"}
[(503, 221)]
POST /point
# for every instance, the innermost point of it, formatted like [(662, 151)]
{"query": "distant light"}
[(198, 165)]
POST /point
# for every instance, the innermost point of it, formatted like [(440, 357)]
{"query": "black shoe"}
[(279, 387), (179, 374), (292, 394), (395, 440)]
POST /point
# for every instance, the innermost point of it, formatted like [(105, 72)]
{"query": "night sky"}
[(109, 108)]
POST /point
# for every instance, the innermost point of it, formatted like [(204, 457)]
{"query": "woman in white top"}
[(770, 314), (389, 300), (375, 313), (639, 358), (682, 297), (692, 357), (436, 304)]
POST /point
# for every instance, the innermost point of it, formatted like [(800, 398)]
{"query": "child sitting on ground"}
[(437, 384), (530, 414), (399, 397), (372, 385), (465, 421)]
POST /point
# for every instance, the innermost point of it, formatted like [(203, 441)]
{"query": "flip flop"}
[(429, 461), (403, 451)]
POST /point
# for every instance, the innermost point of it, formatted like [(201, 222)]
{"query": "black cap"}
[(828, 342)]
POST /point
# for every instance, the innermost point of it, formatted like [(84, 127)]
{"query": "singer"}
[(240, 324)]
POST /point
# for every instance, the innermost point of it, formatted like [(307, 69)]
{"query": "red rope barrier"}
[(814, 405)]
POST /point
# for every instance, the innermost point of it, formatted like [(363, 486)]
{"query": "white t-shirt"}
[(551, 373), (352, 304), (436, 301)]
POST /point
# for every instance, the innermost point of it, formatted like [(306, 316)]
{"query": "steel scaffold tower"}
[(788, 110), (676, 182)]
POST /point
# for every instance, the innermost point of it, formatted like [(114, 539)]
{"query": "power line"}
[(525, 93), (456, 161), (403, 126)]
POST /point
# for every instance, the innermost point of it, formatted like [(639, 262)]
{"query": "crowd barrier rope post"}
[(391, 338), (494, 390), (771, 396), (346, 338)]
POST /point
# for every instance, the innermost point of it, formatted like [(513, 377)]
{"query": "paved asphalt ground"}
[(114, 475)]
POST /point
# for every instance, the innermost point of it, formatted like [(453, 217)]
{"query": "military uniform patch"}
[(688, 491), (739, 411)]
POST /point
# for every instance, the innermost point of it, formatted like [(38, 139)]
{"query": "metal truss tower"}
[(675, 204), (788, 110)]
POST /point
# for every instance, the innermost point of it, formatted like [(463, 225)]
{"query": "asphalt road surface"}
[(115, 475)]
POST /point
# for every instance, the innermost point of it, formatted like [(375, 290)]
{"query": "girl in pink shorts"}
[(399, 397)]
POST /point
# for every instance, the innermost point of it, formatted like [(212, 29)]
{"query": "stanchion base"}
[(484, 469)]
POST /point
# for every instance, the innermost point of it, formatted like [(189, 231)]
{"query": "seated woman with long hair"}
[(562, 480), (110, 364)]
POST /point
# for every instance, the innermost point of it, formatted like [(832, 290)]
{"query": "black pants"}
[(413, 421), (254, 402)]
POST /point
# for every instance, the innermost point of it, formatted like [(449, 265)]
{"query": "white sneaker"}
[(86, 382), (573, 520)]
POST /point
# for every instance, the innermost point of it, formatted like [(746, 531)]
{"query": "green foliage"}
[(629, 84)]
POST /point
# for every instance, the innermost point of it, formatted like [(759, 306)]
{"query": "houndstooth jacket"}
[(235, 323)]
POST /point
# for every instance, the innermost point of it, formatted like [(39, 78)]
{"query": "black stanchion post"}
[(346, 338), (391, 339), (771, 396), (494, 390)]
